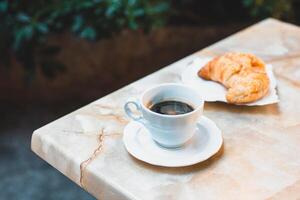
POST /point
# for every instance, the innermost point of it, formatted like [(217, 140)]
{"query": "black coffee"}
[(171, 108)]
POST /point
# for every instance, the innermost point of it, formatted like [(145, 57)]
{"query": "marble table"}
[(260, 157)]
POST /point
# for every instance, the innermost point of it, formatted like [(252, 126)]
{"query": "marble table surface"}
[(260, 157)]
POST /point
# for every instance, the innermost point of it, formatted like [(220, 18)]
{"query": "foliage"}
[(282, 9), (25, 26)]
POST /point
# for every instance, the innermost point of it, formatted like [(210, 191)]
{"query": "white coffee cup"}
[(170, 131)]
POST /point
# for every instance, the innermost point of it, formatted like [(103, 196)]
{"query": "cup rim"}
[(171, 116)]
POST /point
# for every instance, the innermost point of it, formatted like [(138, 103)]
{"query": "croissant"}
[(243, 74)]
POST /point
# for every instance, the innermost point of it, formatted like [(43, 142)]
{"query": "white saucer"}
[(205, 143)]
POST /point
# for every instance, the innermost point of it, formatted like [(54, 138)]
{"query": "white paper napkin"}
[(213, 91)]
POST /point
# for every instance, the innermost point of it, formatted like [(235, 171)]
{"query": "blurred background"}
[(58, 55)]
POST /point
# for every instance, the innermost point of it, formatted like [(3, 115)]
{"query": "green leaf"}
[(248, 3), (131, 2), (110, 11), (22, 17), (88, 33), (132, 24), (87, 4), (25, 33), (42, 28), (138, 12), (77, 23), (112, 8), (159, 8), (3, 6)]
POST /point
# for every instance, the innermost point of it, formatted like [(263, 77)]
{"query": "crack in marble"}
[(85, 163), (96, 152), (102, 111)]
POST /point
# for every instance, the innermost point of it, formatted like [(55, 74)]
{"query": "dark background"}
[(55, 56)]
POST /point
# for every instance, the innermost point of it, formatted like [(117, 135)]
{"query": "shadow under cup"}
[(171, 131)]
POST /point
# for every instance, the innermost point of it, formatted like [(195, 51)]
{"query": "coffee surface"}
[(171, 108)]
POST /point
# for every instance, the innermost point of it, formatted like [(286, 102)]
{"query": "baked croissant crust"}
[(243, 74)]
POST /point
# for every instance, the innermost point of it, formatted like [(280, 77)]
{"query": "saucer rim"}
[(181, 164)]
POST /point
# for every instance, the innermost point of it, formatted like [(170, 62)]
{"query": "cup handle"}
[(129, 112)]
